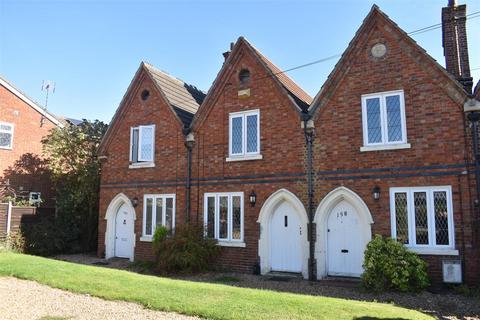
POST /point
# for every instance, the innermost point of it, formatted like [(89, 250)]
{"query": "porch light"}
[(253, 198), (376, 192), (134, 202)]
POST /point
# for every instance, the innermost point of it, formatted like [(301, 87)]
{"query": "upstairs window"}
[(142, 144), (6, 135), (244, 134), (422, 217), (383, 117)]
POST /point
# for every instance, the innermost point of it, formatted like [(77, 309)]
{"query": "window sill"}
[(231, 244), (386, 147), (141, 165), (244, 158), (6, 148), (434, 251), (146, 238)]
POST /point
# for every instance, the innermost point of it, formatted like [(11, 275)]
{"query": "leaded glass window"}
[(142, 144), (149, 216), (244, 133), (384, 118), (237, 135), (223, 217), (374, 120), (441, 217), (401, 217), (394, 118), (422, 216), (159, 210)]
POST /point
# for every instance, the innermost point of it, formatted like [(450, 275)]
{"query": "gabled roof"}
[(22, 96), (454, 90), (299, 98), (183, 97)]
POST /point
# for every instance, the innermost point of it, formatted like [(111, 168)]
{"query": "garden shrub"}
[(389, 265), (16, 242), (44, 238), (186, 250)]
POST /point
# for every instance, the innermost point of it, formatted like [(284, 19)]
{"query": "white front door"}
[(345, 241), (285, 239), (124, 233)]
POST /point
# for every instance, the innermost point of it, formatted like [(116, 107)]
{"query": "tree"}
[(72, 155)]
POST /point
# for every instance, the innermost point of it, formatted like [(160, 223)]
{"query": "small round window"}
[(145, 94), (244, 76)]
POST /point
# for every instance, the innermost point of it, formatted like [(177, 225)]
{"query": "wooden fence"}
[(12, 218)]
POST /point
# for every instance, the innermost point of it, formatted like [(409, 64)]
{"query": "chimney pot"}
[(452, 3)]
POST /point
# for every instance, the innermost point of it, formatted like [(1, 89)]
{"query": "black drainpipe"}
[(474, 117), (309, 141), (189, 143)]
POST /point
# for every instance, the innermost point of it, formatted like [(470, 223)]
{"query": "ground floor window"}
[(223, 216), (158, 210), (422, 217)]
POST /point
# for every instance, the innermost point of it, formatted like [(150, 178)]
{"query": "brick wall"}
[(23, 165), (166, 177), (435, 130), (438, 156)]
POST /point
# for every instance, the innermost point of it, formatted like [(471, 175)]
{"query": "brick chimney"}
[(455, 48)]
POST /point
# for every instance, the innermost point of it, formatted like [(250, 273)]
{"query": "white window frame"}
[(384, 144), (245, 155), (229, 241), (431, 247), (12, 126), (141, 163), (154, 197)]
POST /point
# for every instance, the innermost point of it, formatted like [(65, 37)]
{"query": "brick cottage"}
[(23, 124), (293, 184)]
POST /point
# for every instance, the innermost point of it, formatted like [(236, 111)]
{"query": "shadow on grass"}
[(375, 318)]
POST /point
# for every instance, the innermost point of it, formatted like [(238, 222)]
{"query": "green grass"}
[(215, 301)]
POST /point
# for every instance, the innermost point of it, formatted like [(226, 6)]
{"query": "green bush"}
[(44, 238), (390, 266), (184, 251)]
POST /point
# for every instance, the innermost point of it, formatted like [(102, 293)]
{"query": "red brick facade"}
[(438, 155), (23, 164)]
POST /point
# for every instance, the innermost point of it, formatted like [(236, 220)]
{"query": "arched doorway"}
[(120, 232), (343, 230), (283, 244)]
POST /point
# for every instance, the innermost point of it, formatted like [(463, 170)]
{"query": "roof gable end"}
[(377, 18), (10, 87), (299, 98)]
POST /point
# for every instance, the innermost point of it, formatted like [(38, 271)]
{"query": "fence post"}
[(9, 216)]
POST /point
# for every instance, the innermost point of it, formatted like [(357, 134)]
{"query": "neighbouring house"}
[(23, 124), (289, 183)]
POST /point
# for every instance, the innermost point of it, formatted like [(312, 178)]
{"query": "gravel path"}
[(21, 299)]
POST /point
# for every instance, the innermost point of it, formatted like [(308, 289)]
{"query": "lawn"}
[(213, 301)]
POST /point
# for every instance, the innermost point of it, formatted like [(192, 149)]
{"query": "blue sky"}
[(91, 49)]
